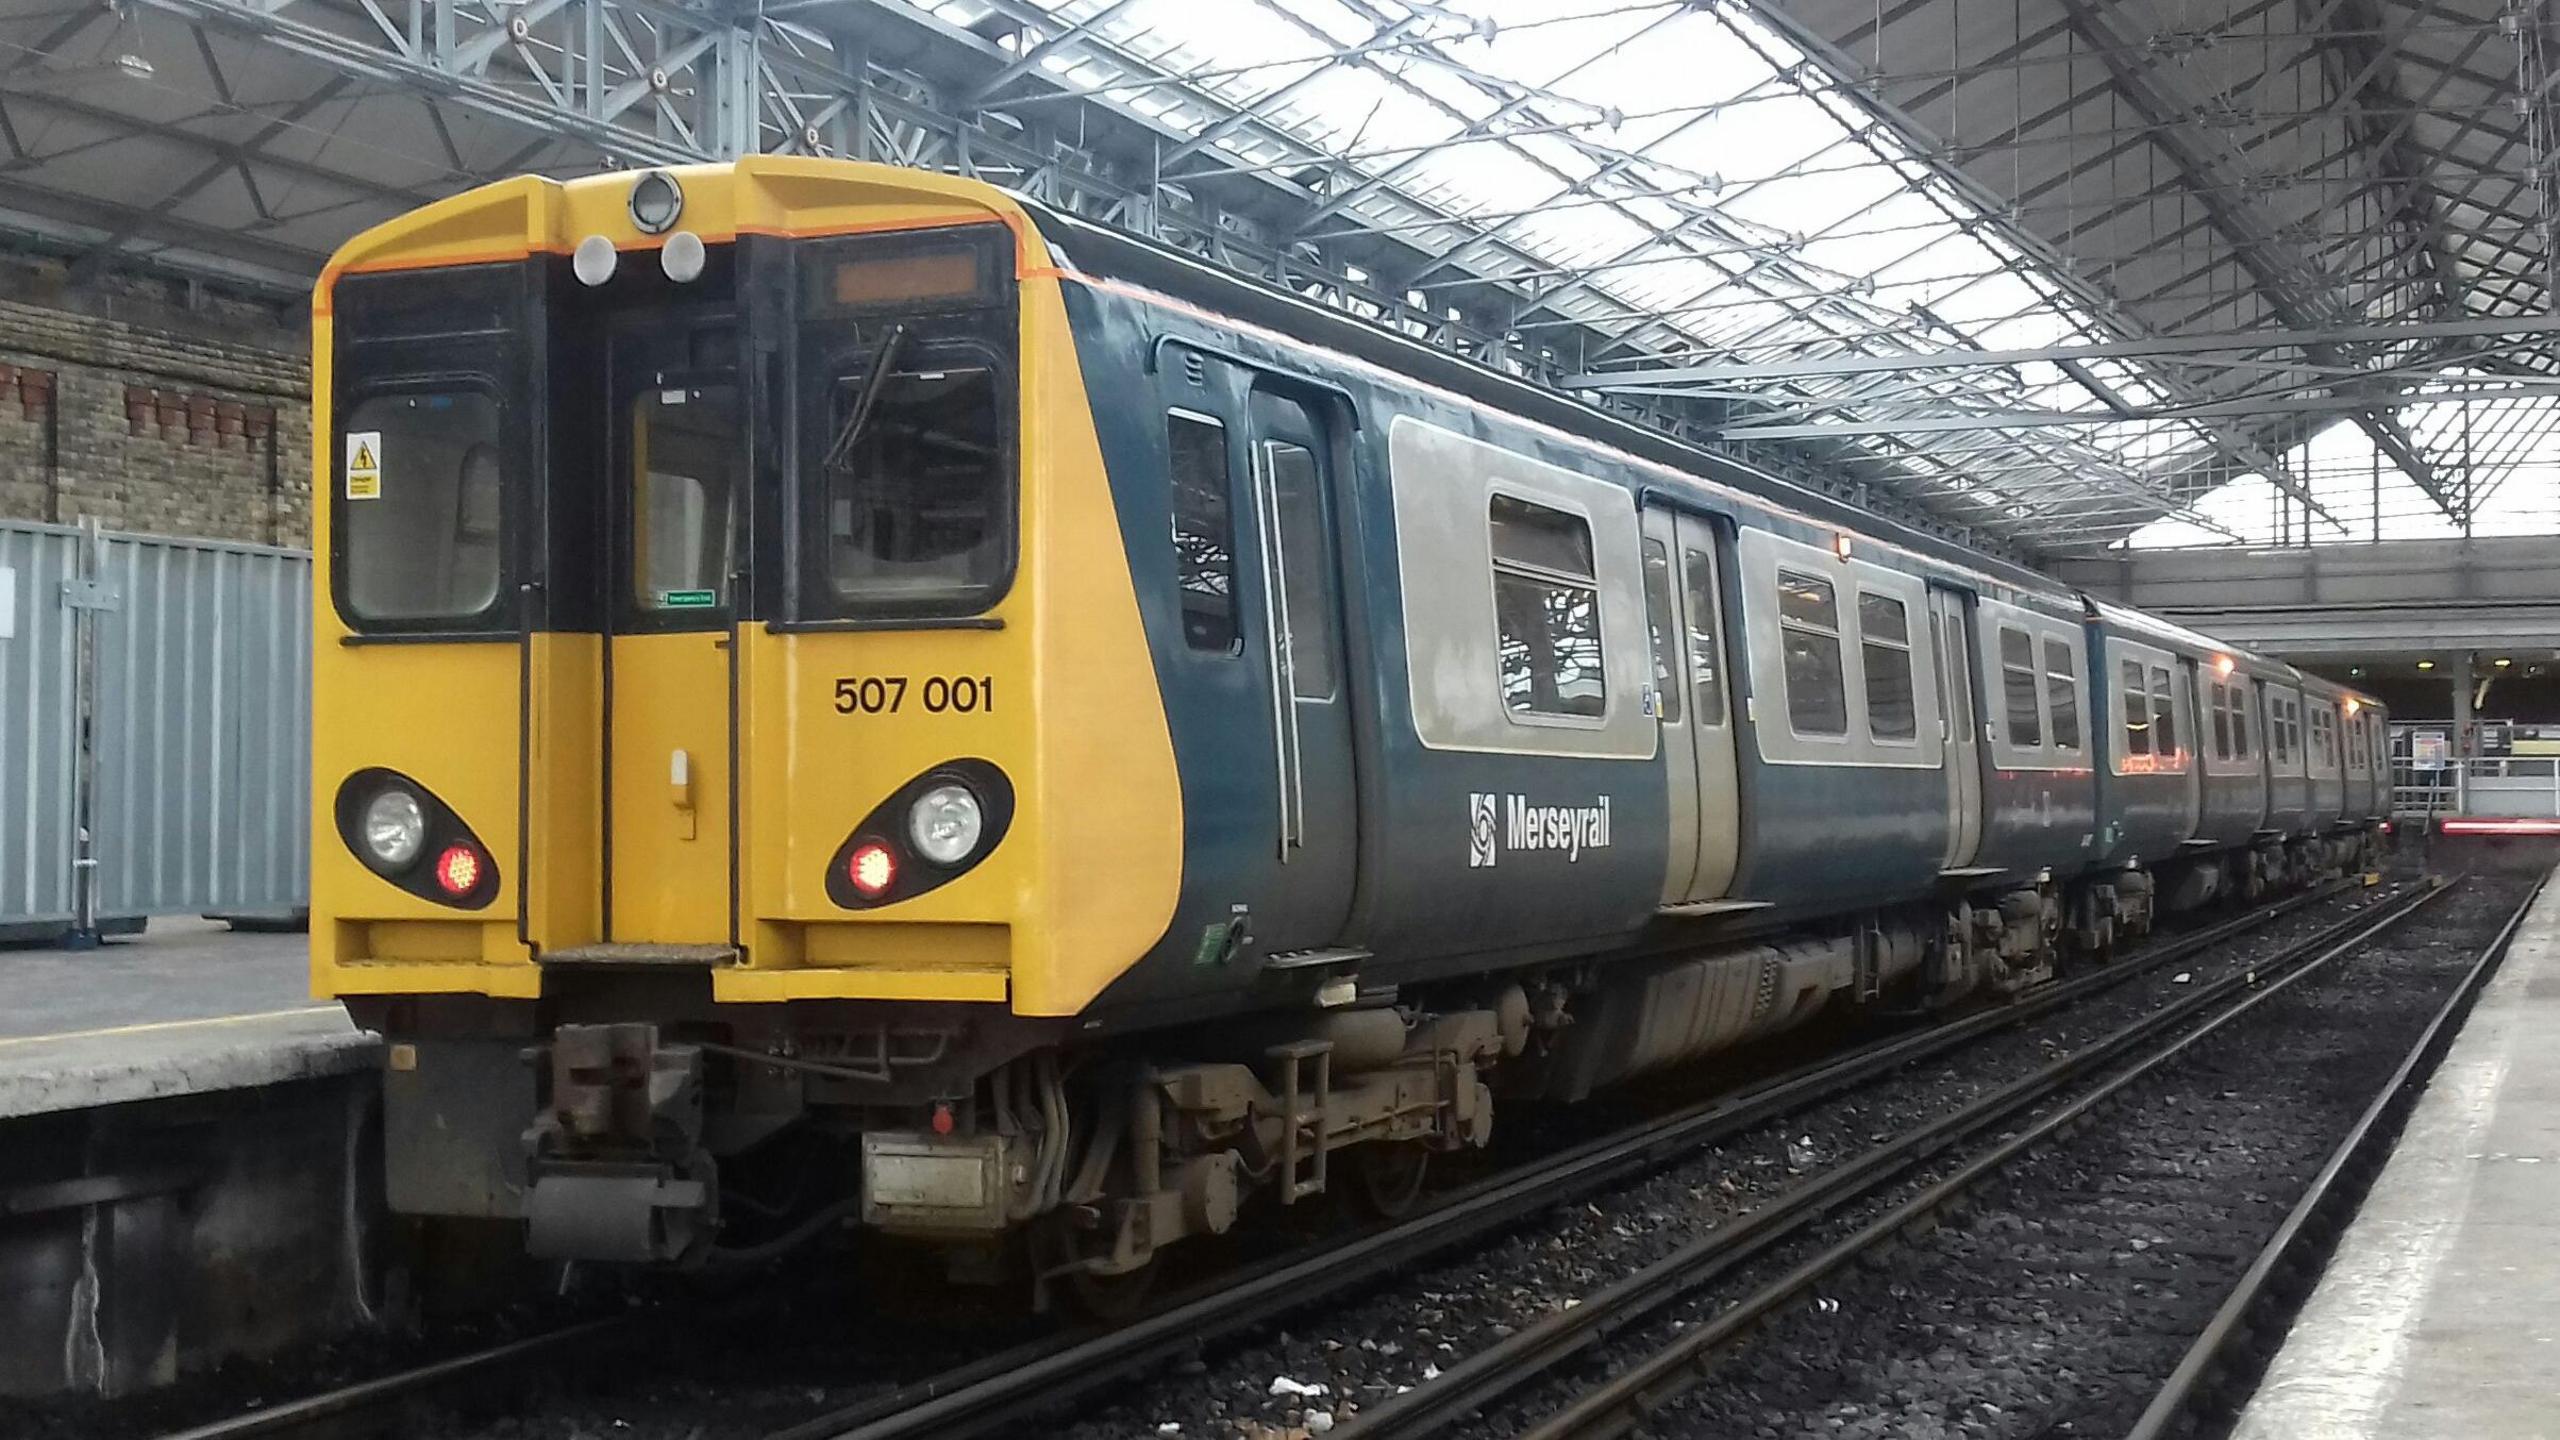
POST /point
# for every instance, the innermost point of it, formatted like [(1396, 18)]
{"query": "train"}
[(846, 698)]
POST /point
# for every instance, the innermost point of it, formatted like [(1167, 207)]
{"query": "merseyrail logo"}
[(1496, 823)]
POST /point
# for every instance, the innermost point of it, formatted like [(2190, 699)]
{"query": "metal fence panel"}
[(202, 729), (35, 725)]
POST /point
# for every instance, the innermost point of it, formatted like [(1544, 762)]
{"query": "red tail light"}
[(873, 868), (458, 870)]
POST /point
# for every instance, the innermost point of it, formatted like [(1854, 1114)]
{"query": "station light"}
[(2502, 662), (2426, 664), (2501, 825), (1840, 544), (2222, 665)]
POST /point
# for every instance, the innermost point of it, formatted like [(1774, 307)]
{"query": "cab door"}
[(1290, 570), (675, 503)]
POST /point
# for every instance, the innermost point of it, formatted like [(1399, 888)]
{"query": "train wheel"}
[(1054, 1252), (1113, 1297), (1387, 1177)]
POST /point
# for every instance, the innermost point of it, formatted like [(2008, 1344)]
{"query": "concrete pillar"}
[(2465, 743)]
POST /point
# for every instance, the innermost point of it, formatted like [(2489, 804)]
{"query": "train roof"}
[(1110, 254)]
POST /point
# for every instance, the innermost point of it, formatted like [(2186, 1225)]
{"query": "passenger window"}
[(2062, 695), (2137, 709), (1657, 619), (425, 545), (1884, 641), (1705, 614), (2164, 714), (1204, 553), (916, 474), (1546, 601), (1297, 498), (1809, 632), (688, 460), (2018, 687)]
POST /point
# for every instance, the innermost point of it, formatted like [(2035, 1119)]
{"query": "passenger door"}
[(1289, 576), (675, 498), (1951, 639)]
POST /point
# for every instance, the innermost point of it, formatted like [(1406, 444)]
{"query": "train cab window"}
[(1809, 633), (1546, 601), (1705, 619), (2018, 687), (687, 462), (1306, 571), (2062, 695), (1657, 619), (2164, 714), (419, 529), (915, 472), (1884, 642), (2136, 703), (1204, 553)]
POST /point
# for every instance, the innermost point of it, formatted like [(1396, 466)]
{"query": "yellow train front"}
[(740, 760)]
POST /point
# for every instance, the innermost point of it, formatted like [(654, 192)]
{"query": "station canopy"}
[(2048, 276)]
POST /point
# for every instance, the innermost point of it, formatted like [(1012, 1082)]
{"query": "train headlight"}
[(395, 829), (655, 203), (946, 823)]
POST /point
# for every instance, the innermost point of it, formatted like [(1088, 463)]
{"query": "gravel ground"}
[(828, 1342), (2068, 1289), (1399, 1335)]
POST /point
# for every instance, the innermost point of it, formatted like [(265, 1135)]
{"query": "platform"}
[(2439, 1315), (186, 1007)]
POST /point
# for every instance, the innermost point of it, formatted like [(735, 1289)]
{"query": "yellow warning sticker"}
[(364, 465)]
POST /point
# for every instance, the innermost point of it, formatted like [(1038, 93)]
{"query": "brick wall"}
[(154, 409)]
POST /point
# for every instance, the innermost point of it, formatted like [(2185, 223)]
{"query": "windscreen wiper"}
[(867, 399)]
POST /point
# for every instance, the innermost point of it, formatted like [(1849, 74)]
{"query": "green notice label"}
[(688, 599)]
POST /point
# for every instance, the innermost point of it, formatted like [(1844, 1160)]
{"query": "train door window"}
[(1306, 573), (2018, 687), (1884, 643), (2164, 714), (2279, 734), (2062, 695), (687, 461), (1809, 634), (915, 469), (2137, 709), (2221, 721), (1204, 537), (420, 541), (1546, 601), (1705, 617), (2240, 721), (1657, 617)]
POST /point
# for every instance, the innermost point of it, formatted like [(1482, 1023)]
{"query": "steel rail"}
[(1639, 1389), (1010, 1388), (346, 1407), (2257, 1305)]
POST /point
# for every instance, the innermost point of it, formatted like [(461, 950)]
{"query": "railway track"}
[(1015, 1387), (991, 1393), (2220, 1369), (1969, 1145)]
